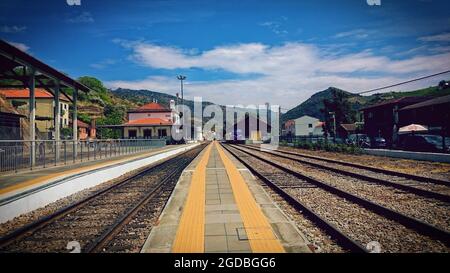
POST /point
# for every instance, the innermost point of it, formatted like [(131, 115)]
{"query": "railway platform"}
[(28, 190), (218, 206)]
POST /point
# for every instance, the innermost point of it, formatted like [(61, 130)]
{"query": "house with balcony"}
[(19, 99)]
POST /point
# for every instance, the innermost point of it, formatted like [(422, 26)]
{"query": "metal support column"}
[(74, 121), (57, 120), (32, 116)]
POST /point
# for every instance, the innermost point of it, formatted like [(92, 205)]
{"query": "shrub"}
[(308, 146), (325, 146)]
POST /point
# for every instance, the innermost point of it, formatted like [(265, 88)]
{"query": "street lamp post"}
[(182, 78), (334, 125)]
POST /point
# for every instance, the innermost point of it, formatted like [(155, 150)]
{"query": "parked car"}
[(378, 142), (361, 140), (424, 143)]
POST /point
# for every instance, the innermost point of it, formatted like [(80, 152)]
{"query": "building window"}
[(310, 125), (370, 115), (149, 115), (147, 133), (132, 133), (162, 132)]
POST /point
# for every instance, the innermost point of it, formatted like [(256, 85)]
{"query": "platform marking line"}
[(61, 174), (190, 236), (259, 231)]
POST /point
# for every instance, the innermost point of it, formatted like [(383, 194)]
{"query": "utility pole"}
[(334, 125), (182, 78)]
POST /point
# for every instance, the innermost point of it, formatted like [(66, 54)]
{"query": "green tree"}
[(342, 109), (114, 115), (99, 94)]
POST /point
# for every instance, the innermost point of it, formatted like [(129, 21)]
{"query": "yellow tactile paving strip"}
[(190, 237), (259, 232), (57, 174)]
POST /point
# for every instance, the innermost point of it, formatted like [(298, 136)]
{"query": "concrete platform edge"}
[(24, 203)]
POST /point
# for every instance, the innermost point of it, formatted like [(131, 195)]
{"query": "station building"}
[(382, 119), (249, 128), (151, 120), (433, 113)]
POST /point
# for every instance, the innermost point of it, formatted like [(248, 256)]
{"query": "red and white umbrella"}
[(412, 128)]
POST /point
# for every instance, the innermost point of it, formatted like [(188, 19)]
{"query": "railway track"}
[(406, 200), (115, 219), (426, 187), (345, 214), (365, 167)]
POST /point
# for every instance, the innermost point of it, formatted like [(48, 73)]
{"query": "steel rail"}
[(109, 234), (370, 168), (412, 223), (46, 220), (329, 228), (417, 191)]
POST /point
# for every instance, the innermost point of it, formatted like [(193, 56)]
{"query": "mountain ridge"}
[(312, 105)]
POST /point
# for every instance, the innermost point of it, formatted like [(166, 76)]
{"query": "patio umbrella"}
[(412, 128)]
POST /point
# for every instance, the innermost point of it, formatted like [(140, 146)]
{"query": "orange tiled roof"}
[(40, 93), (152, 106), (349, 126), (320, 124), (81, 124), (148, 121)]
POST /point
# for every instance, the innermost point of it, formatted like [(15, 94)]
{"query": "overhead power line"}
[(405, 82)]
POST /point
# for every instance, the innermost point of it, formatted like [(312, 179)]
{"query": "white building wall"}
[(304, 125), (140, 130), (161, 115)]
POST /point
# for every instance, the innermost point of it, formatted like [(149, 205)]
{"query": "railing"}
[(18, 155), (310, 138)]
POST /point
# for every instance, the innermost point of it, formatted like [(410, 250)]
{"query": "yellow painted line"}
[(190, 237), (258, 229), (45, 178)]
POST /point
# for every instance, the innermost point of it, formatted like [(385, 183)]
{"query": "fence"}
[(310, 138), (18, 154)]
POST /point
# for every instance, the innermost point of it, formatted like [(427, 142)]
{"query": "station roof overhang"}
[(46, 76), (131, 125), (9, 114)]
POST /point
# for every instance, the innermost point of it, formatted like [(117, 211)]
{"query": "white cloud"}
[(83, 17), (287, 74), (276, 26), (440, 49), (443, 37), (12, 29), (356, 33)]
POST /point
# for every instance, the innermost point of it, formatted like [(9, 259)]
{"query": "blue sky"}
[(236, 52)]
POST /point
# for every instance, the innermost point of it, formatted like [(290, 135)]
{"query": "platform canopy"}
[(19, 69), (12, 57)]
